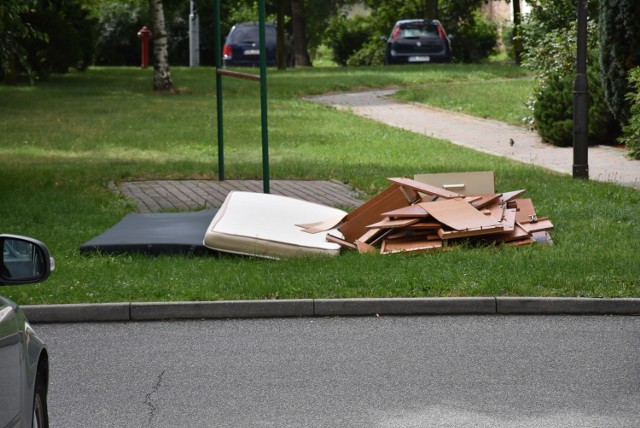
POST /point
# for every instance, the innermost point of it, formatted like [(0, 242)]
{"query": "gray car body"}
[(24, 361), (21, 347)]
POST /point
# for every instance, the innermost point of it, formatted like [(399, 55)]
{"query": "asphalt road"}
[(449, 371)]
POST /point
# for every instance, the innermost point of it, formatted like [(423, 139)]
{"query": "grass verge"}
[(64, 140)]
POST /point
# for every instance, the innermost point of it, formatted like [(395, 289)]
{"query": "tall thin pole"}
[(218, 42), (263, 99), (581, 100)]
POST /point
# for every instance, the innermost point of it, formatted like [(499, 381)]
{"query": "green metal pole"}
[(581, 100), (263, 99), (218, 42)]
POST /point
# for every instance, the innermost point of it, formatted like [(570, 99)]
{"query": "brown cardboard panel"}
[(387, 223), (413, 211), (458, 214), (464, 183), (390, 246), (424, 188), (525, 210), (355, 223)]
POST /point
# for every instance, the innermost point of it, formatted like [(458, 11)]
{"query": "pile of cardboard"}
[(422, 214)]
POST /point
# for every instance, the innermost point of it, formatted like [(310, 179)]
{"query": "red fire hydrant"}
[(145, 35)]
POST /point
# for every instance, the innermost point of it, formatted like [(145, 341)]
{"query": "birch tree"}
[(162, 76)]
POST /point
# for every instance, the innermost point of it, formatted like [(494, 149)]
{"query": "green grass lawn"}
[(65, 139)]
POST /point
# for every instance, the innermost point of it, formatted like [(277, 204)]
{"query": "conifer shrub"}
[(631, 132), (553, 110)]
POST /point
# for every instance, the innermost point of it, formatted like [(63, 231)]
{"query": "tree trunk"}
[(300, 53), (281, 52), (517, 32), (161, 77), (431, 9)]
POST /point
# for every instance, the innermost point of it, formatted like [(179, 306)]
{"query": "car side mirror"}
[(383, 38), (24, 260)]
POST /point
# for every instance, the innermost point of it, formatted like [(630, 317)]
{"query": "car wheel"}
[(40, 414)]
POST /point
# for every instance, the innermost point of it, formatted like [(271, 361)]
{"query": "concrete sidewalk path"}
[(485, 135)]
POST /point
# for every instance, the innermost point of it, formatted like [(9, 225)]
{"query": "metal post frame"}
[(262, 78), (218, 42), (581, 99), (263, 99)]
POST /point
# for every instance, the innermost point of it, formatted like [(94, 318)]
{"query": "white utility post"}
[(194, 37)]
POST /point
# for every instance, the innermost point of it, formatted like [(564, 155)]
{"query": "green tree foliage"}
[(631, 131), (116, 37), (43, 37), (550, 51), (553, 111), (475, 38), (14, 31), (620, 40)]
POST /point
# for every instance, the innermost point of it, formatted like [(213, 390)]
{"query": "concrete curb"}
[(154, 311)]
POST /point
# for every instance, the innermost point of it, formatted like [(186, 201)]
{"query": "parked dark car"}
[(24, 361), (417, 41), (242, 45)]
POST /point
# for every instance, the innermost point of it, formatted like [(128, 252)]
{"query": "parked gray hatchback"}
[(24, 361)]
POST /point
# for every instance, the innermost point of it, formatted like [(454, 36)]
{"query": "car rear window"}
[(250, 34), (418, 29)]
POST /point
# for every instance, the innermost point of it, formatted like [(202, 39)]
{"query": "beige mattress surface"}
[(266, 225)]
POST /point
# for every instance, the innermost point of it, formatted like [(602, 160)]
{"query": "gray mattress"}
[(155, 234)]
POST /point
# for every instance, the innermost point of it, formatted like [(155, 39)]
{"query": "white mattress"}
[(265, 225)]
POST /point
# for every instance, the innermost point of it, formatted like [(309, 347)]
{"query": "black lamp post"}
[(581, 100)]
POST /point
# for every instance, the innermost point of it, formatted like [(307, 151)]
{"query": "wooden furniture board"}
[(458, 214), (412, 211), (424, 188), (467, 233), (390, 246), (508, 196), (355, 223), (525, 210), (537, 226), (464, 183), (322, 226), (387, 223), (485, 200)]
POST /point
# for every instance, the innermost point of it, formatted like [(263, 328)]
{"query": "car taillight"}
[(227, 52), (441, 32), (396, 33)]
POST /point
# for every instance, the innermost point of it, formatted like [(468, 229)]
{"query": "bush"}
[(553, 110), (118, 26), (371, 53), (347, 36), (620, 41), (631, 132), (474, 40), (69, 41)]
